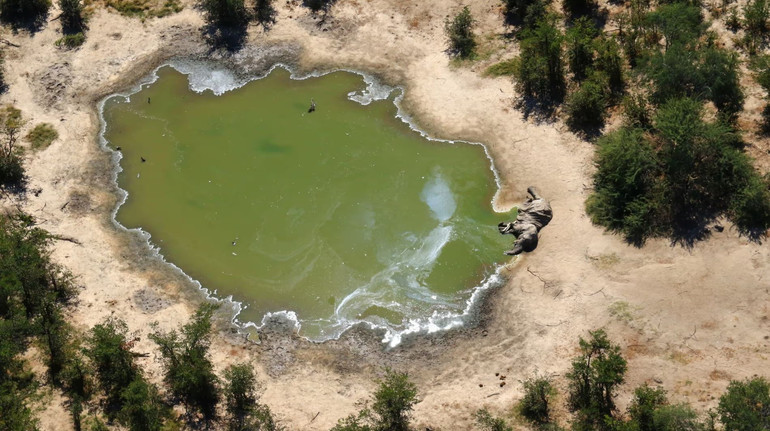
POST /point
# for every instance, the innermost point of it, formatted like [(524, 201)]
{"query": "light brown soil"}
[(689, 319)]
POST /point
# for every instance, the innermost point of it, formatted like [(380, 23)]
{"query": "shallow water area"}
[(340, 216)]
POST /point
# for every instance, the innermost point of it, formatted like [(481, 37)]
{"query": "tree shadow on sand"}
[(230, 38)]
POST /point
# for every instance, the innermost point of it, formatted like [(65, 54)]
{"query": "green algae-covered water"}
[(333, 217)]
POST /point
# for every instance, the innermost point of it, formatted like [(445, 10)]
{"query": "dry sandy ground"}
[(687, 319)]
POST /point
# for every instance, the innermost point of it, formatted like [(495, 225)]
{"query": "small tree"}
[(243, 411), (72, 21), (540, 70), (189, 372), (535, 406), (645, 403), (108, 349), (595, 376), (746, 405), (11, 169), (460, 33)]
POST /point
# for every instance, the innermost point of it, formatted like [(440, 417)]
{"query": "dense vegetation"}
[(671, 169)]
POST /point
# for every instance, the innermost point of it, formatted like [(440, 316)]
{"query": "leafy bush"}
[(540, 71), (746, 405), (586, 106), (71, 41), (189, 372), (535, 406), (486, 422), (459, 30), (625, 180), (503, 68), (392, 404), (42, 136), (594, 378)]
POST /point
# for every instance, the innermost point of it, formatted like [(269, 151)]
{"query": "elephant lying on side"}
[(534, 214)]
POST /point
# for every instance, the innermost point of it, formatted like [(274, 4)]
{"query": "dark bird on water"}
[(143, 159), (312, 106), (117, 148)]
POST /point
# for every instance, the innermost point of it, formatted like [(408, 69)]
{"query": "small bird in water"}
[(143, 159), (312, 106), (118, 148), (148, 100)]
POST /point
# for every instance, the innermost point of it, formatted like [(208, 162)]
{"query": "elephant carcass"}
[(534, 214)]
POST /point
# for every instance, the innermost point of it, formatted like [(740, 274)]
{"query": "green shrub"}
[(586, 106), (503, 68), (70, 41), (486, 422), (42, 136), (624, 182), (745, 405), (459, 30), (535, 406), (392, 404)]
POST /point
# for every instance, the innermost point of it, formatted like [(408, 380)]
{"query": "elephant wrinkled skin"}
[(533, 215)]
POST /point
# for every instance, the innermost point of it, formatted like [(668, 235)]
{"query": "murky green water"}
[(341, 215)]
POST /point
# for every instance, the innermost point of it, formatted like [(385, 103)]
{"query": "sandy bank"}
[(691, 319)]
